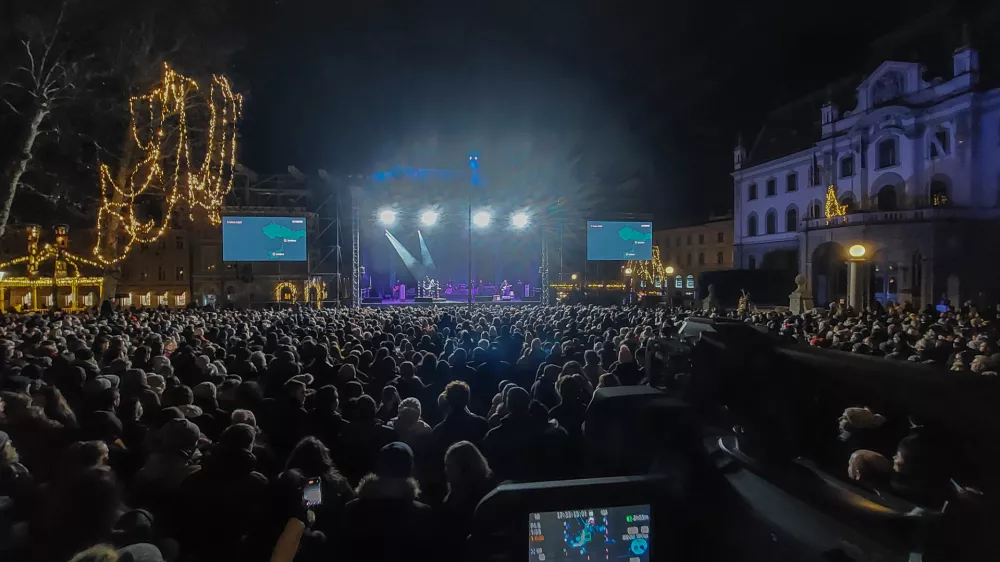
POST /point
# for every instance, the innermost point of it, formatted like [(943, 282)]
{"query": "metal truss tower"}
[(355, 246)]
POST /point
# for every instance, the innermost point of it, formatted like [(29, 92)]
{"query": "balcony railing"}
[(893, 217)]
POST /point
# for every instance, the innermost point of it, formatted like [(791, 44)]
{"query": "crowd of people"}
[(195, 435), (956, 338), (192, 435)]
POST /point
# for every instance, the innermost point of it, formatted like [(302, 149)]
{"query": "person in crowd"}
[(544, 389), (868, 468), (459, 424), (312, 459)]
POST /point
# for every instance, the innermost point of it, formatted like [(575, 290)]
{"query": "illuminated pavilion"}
[(50, 272)]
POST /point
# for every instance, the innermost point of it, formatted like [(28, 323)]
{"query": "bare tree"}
[(42, 80)]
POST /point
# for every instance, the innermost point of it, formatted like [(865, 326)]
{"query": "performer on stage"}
[(504, 287)]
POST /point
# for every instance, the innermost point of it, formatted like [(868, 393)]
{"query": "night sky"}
[(646, 98)]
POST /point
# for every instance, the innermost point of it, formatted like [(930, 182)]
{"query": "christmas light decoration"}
[(282, 286), (166, 170), (833, 206), (317, 287), (647, 270)]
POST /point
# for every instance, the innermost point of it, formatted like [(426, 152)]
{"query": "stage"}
[(446, 302)]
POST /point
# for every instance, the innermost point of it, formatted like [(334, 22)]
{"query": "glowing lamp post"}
[(857, 253)]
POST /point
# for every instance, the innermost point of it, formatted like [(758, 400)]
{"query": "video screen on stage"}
[(615, 240), (263, 239), (595, 533)]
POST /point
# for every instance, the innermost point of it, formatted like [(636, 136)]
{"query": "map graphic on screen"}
[(615, 240), (263, 239)]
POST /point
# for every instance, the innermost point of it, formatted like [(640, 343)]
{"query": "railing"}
[(909, 215)]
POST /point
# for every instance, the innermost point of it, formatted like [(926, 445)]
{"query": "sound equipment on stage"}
[(423, 299), (372, 300), (527, 291), (484, 298)]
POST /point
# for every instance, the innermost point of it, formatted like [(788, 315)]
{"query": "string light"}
[(833, 206), (315, 284), (648, 270), (282, 286), (203, 186)]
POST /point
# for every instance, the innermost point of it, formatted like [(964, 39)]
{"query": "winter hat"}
[(159, 362), (140, 552), (178, 435), (395, 460), (238, 436), (134, 379), (204, 390)]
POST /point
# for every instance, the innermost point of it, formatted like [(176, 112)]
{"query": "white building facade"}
[(917, 165)]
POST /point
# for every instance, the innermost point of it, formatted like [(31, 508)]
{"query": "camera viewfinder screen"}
[(591, 534)]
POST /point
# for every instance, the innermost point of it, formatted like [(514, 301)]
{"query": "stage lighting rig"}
[(519, 219), (428, 218), (387, 217), (482, 219)]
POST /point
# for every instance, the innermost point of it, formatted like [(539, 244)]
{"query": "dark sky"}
[(651, 93)]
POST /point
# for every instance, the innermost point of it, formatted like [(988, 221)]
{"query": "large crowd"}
[(191, 435)]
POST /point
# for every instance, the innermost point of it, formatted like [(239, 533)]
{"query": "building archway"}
[(829, 273), (888, 191), (886, 199), (940, 190)]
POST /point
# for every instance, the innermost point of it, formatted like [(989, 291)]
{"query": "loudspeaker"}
[(372, 300), (484, 298)]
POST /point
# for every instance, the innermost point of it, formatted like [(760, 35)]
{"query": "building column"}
[(857, 284), (927, 283)]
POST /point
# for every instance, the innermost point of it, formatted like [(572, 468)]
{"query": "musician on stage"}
[(504, 287)]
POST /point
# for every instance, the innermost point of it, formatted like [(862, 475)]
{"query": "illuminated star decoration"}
[(833, 206), (166, 170)]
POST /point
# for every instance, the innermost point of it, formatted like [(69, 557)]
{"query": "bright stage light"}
[(387, 217), (428, 218), (482, 219), (519, 219)]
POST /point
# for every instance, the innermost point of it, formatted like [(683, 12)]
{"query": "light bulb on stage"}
[(519, 220), (428, 218), (481, 219), (387, 217)]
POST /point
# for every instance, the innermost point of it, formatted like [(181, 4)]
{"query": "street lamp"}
[(573, 277), (628, 271), (669, 270)]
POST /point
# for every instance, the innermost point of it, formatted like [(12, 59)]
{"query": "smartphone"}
[(312, 493)]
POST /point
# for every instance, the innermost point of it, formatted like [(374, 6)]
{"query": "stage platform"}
[(446, 302)]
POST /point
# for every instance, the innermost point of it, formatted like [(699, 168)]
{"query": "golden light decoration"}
[(315, 284), (160, 129), (833, 206), (282, 286), (647, 270)]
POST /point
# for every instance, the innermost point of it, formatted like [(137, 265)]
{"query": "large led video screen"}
[(616, 240), (263, 238)]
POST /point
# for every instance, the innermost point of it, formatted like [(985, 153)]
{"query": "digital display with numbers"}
[(591, 534)]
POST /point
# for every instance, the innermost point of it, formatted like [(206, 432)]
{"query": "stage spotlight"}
[(519, 219), (481, 219), (428, 218), (387, 217)]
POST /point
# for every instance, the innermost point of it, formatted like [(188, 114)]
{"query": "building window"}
[(752, 192), (719, 259), (771, 222), (752, 225), (690, 281), (678, 242), (180, 242), (181, 299), (163, 300), (701, 259), (690, 261), (886, 199), (792, 182), (689, 239), (180, 273), (847, 166), (816, 210), (701, 238), (720, 237), (678, 282), (939, 193), (814, 178), (791, 219), (772, 187), (143, 275), (161, 275), (146, 300), (752, 264), (940, 144), (887, 153)]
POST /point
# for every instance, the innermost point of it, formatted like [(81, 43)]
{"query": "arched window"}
[(771, 222), (752, 225), (719, 259), (848, 201), (752, 264), (690, 281), (701, 259), (816, 210), (886, 198), (752, 192), (940, 144), (791, 219), (939, 194), (679, 282), (847, 166), (887, 152)]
